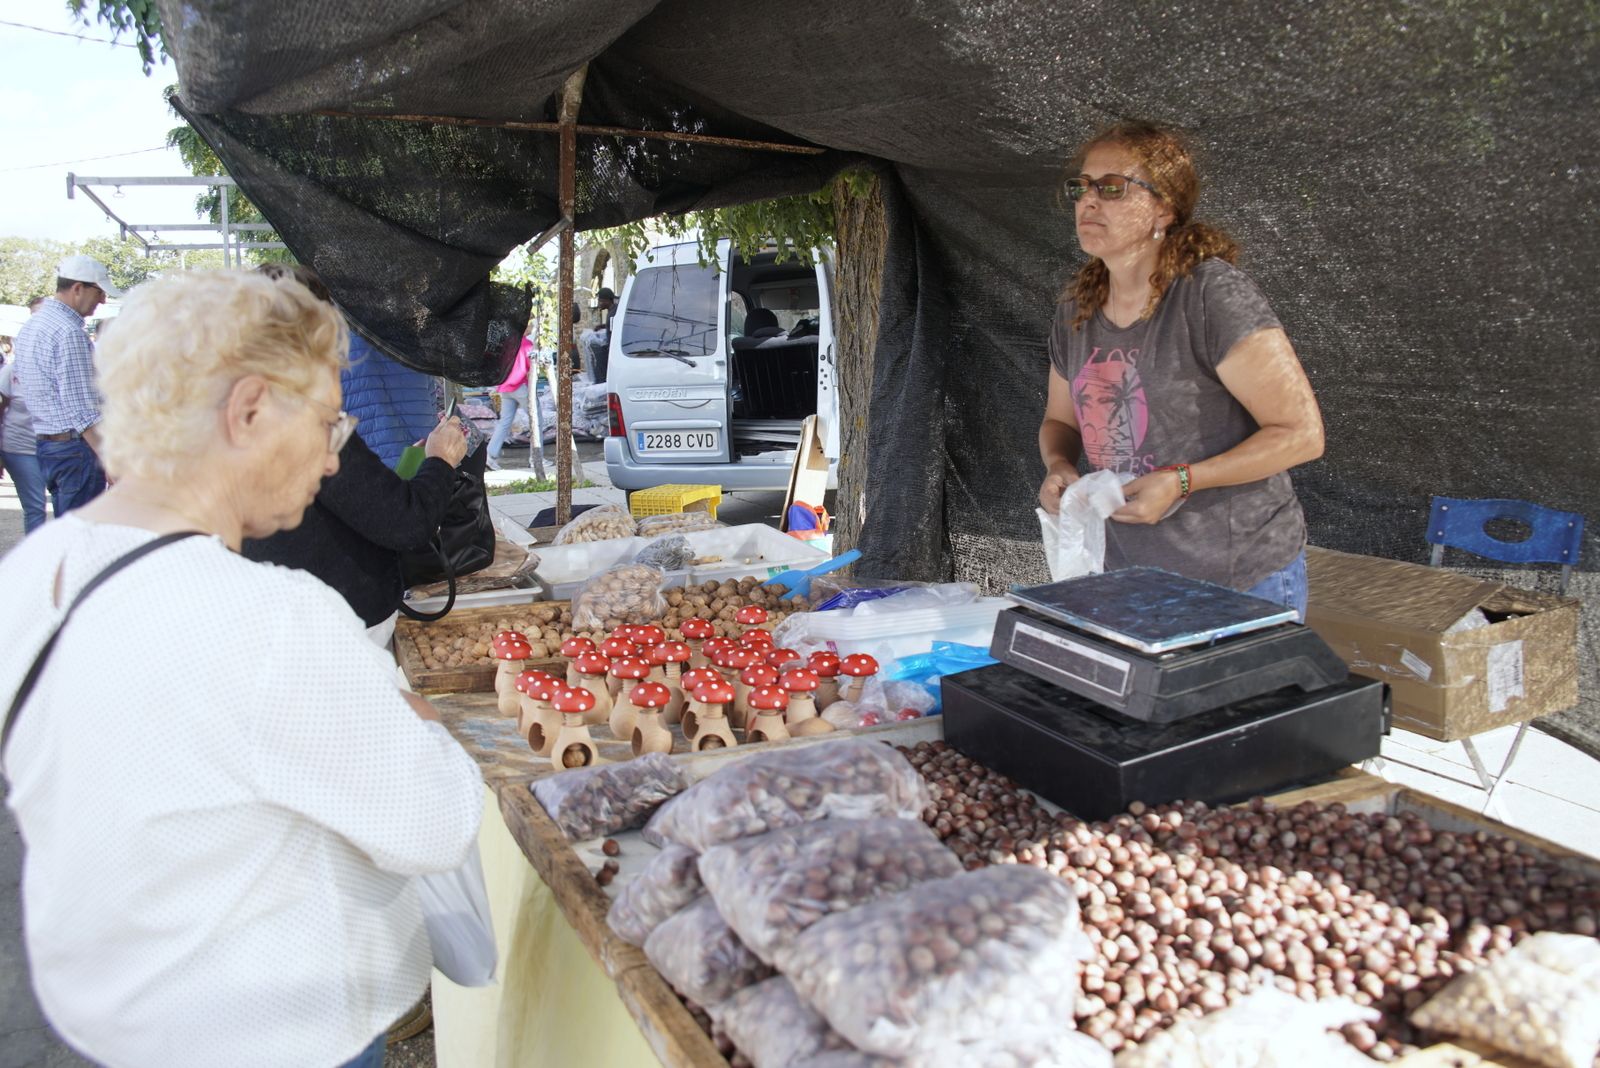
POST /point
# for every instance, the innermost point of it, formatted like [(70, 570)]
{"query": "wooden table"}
[(510, 768)]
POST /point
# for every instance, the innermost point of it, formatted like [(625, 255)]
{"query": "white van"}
[(713, 368)]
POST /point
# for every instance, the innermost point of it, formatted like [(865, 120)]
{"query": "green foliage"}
[(536, 273), (530, 485), (138, 17), (28, 267), (203, 163), (796, 224)]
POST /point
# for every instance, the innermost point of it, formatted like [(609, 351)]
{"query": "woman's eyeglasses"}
[(340, 429), (1108, 187)]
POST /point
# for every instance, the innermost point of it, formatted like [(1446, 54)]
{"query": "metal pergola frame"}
[(230, 244)]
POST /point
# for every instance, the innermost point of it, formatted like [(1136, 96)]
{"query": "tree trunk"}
[(861, 237)]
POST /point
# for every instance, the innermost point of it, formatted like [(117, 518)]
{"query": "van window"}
[(672, 311)]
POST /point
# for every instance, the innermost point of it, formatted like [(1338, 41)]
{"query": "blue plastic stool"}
[(1557, 537)]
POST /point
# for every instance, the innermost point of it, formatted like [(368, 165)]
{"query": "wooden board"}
[(483, 622), (510, 768)]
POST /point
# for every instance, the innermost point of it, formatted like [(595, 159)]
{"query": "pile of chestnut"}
[(1188, 907)]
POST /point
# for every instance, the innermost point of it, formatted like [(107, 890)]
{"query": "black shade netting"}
[(1414, 187)]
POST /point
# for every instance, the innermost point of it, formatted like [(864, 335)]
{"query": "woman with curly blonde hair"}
[(1168, 367), (247, 895)]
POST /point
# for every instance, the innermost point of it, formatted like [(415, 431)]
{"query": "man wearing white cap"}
[(55, 375)]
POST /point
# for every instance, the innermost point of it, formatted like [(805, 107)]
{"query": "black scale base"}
[(1093, 762)]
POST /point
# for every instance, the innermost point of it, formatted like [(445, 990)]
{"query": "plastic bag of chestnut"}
[(670, 882), (701, 957), (845, 779), (591, 802), (955, 971), (1541, 1002), (773, 886)]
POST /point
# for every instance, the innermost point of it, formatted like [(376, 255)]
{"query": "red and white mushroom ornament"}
[(649, 735), (510, 651), (573, 747), (768, 705), (708, 714), (803, 720), (858, 668)]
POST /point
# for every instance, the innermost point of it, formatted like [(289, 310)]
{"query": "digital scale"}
[(1143, 685)]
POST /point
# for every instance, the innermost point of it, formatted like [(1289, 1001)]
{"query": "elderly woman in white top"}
[(223, 794)]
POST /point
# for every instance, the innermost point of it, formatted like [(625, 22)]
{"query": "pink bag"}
[(519, 369)]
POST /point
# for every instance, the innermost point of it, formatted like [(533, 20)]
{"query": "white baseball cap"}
[(87, 269)]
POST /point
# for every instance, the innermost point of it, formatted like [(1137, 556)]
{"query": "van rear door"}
[(667, 364)]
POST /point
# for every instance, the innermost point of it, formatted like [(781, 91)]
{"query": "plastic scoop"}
[(798, 583)]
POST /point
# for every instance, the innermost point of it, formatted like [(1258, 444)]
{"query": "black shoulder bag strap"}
[(32, 677)]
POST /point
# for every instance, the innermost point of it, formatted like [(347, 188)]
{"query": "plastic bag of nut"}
[(771, 1025), (773, 886), (982, 960), (670, 882), (671, 553), (597, 524), (592, 802), (1265, 1029), (701, 957), (845, 779), (676, 523), (627, 593), (1541, 1001)]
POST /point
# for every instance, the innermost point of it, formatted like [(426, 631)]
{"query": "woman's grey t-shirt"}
[(1148, 396)]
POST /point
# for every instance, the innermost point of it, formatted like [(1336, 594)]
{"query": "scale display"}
[(1151, 610)]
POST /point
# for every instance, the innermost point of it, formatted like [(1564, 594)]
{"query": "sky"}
[(63, 100)]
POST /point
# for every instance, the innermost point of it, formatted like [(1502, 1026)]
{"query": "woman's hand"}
[(1054, 485), (447, 442), (1149, 497)]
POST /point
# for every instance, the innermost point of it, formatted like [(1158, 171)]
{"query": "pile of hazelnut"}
[(1189, 907)]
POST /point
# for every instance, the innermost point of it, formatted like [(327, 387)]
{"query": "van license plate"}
[(650, 441)]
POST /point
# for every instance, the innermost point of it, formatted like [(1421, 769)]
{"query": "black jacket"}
[(363, 518)]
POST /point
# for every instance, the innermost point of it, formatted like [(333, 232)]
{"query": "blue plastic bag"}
[(945, 658)]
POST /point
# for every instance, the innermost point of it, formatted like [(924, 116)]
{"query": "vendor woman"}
[(1167, 364)]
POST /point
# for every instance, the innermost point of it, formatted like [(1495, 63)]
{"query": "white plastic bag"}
[(1075, 537), (952, 971), (455, 909), (1541, 1002), (1266, 1029)]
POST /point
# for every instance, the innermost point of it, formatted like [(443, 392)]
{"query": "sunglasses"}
[(1109, 187)]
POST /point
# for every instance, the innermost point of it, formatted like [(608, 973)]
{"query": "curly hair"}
[(168, 360), (1164, 154)]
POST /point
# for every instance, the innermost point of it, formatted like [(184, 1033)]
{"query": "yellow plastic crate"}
[(668, 500)]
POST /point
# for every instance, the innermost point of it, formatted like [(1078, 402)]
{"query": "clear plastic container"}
[(891, 635), (751, 550)]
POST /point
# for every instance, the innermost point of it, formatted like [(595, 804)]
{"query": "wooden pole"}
[(587, 131), (567, 193)]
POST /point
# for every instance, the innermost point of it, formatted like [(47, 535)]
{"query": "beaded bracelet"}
[(1183, 478)]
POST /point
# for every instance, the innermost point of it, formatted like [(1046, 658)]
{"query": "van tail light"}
[(618, 428)]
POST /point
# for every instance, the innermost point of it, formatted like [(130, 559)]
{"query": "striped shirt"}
[(55, 370)]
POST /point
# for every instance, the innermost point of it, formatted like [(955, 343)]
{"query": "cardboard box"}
[(1391, 621)]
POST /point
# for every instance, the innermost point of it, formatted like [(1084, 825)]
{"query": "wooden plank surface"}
[(476, 675)]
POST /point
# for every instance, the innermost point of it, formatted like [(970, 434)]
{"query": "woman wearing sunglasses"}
[(1168, 365)]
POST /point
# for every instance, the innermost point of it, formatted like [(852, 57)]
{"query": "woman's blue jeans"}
[(1286, 586), (371, 1057), (29, 477), (509, 403)]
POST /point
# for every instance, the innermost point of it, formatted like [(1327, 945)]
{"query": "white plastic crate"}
[(752, 550)]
